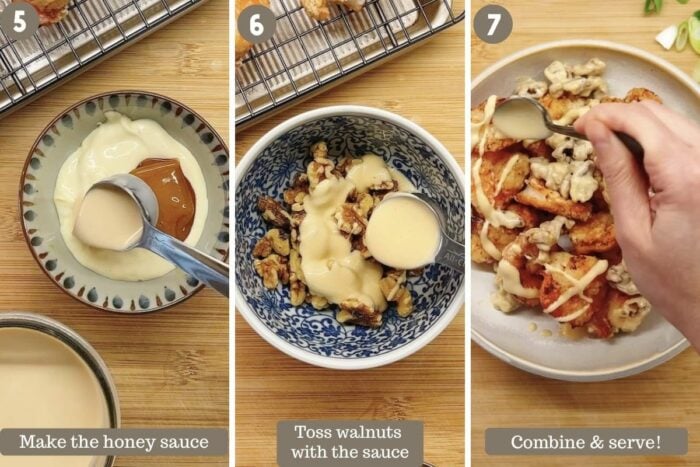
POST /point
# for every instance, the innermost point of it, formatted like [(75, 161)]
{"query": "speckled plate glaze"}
[(40, 222), (267, 169)]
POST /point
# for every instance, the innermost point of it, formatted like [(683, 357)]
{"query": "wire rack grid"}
[(305, 56), (91, 31)]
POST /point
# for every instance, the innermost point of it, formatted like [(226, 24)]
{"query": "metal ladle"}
[(204, 268), (630, 143), (450, 252)]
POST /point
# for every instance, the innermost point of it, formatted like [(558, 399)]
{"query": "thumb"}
[(626, 184)]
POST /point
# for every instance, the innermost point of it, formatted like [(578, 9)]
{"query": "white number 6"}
[(496, 19), (20, 25), (256, 27)]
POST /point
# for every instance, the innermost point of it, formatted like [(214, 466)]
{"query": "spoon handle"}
[(204, 268), (631, 144), (451, 254)]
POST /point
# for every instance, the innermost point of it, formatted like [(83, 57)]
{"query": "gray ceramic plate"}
[(507, 335), (40, 221)]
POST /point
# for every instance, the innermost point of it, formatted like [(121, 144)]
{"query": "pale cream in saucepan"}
[(117, 146), (518, 119), (45, 384), (403, 233), (331, 269), (108, 218)]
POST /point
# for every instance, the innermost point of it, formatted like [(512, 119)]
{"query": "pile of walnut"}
[(526, 194), (277, 252)]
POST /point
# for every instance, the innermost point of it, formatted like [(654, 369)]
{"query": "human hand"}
[(659, 234)]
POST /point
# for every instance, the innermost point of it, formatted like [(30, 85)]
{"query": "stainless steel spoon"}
[(204, 268), (630, 143), (450, 253)]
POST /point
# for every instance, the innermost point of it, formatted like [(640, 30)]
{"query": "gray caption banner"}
[(122, 442), (586, 441), (349, 443)]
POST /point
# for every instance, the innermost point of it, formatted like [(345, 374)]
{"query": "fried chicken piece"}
[(595, 235), (49, 11), (599, 325), (538, 148), (539, 196), (556, 281), (613, 256), (641, 94), (633, 95), (320, 11), (520, 254), (560, 106), (501, 191), (500, 236)]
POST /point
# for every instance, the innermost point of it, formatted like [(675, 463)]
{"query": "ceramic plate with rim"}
[(39, 218), (508, 336)]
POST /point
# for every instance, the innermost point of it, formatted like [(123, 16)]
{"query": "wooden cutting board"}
[(503, 396), (171, 367), (425, 85)]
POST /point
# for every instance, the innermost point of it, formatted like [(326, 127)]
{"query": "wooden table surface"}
[(171, 368), (503, 396), (427, 86)]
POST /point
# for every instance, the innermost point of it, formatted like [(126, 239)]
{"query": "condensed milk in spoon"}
[(405, 232)]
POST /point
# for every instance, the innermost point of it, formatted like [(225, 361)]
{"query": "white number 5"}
[(496, 19), (256, 27), (20, 25)]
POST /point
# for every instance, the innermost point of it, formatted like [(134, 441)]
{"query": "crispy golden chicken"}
[(502, 176), (564, 273), (49, 11), (537, 195), (320, 11), (541, 215), (595, 235)]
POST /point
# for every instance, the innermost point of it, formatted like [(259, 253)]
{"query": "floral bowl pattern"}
[(40, 222), (267, 169)]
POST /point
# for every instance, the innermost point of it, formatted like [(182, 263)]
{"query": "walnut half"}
[(273, 270), (356, 312), (273, 212), (274, 240)]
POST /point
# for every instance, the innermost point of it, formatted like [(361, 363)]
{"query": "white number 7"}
[(496, 18)]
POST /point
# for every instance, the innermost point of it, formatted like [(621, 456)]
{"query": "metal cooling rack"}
[(92, 31), (306, 57)]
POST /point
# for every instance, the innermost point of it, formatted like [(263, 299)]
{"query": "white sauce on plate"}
[(117, 146)]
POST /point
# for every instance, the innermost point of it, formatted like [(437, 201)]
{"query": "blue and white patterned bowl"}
[(267, 169), (39, 218)]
